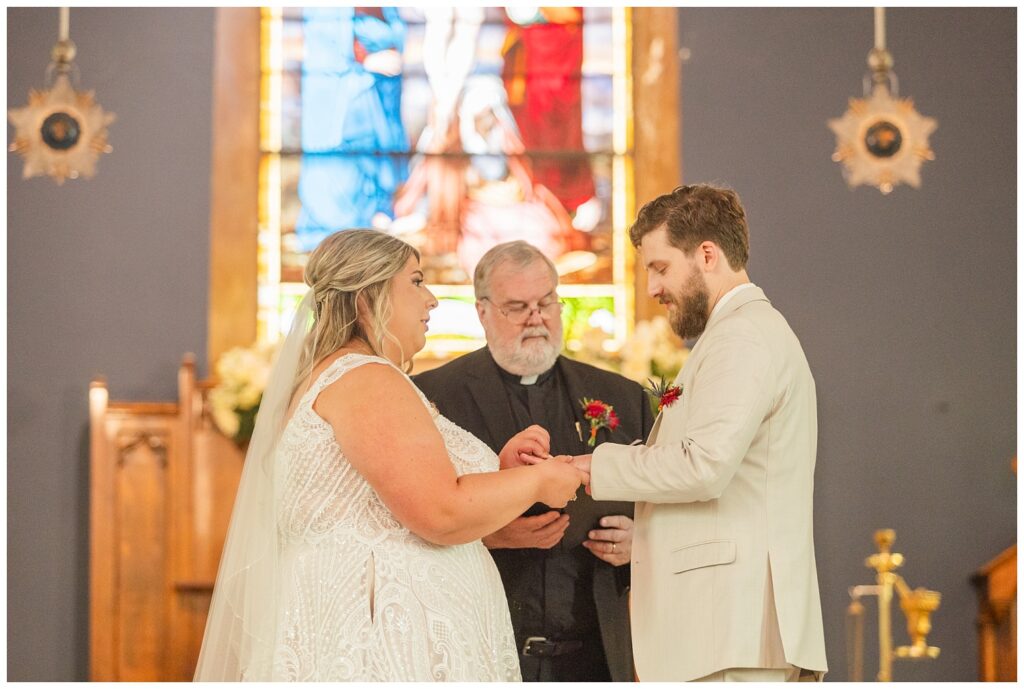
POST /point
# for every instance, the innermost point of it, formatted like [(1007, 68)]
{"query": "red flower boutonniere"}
[(600, 415), (663, 392)]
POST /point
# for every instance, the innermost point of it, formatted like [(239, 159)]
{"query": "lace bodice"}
[(366, 599)]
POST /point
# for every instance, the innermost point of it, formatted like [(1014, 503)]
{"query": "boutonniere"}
[(666, 394), (600, 415)]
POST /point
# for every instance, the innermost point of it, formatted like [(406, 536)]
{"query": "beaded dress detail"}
[(364, 599)]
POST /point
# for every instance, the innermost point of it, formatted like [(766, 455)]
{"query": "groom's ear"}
[(708, 256), (480, 310)]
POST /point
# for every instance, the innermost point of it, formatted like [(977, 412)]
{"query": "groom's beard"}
[(533, 352), (690, 315)]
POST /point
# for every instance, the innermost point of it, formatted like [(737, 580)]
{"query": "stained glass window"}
[(454, 129)]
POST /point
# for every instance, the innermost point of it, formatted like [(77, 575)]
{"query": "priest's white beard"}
[(533, 352)]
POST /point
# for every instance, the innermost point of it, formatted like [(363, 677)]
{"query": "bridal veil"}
[(241, 627)]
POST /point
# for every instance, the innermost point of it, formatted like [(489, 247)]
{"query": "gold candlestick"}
[(917, 606)]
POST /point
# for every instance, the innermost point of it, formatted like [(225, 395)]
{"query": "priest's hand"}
[(614, 542), (541, 531)]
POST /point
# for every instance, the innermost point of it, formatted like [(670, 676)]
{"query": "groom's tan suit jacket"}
[(723, 569)]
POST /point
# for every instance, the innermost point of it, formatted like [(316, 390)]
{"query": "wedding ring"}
[(613, 547)]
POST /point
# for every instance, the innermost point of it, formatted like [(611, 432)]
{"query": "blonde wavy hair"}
[(349, 268)]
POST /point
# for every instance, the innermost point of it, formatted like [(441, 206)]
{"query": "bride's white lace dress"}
[(363, 597)]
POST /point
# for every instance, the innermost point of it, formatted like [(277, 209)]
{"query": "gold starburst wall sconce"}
[(62, 131), (881, 139)]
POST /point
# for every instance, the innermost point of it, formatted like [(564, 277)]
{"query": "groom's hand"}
[(614, 543), (582, 462), (542, 531)]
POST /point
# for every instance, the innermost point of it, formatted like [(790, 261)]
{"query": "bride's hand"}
[(559, 482), (528, 446)]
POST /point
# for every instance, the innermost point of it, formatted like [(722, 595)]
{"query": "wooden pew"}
[(996, 584)]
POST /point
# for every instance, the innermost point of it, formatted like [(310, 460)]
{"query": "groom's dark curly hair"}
[(694, 214)]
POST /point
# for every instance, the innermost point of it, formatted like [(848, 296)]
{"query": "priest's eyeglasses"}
[(518, 312)]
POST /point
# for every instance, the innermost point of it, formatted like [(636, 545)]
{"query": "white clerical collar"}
[(727, 296), (529, 380)]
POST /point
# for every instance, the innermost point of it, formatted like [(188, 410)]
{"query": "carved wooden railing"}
[(163, 481)]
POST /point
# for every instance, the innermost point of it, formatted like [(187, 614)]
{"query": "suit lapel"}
[(753, 293), (653, 437), (491, 399)]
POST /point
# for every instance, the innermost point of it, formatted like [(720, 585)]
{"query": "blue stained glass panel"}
[(454, 128)]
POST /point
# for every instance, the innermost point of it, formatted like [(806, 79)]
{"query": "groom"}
[(724, 580)]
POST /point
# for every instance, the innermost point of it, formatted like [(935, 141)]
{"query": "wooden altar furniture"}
[(996, 584), (162, 484)]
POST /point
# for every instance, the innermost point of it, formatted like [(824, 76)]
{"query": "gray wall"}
[(105, 276), (905, 304)]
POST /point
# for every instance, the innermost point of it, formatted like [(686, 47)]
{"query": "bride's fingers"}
[(531, 459)]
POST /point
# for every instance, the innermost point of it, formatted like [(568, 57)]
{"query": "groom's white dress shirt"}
[(723, 568)]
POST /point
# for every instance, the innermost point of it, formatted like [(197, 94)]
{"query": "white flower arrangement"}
[(653, 351), (242, 374)]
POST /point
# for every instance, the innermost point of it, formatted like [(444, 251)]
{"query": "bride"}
[(354, 547)]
